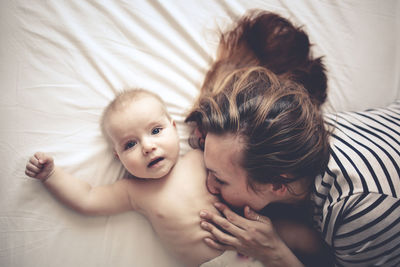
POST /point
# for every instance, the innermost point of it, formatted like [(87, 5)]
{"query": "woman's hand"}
[(252, 235)]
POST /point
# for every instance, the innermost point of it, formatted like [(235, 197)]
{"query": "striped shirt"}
[(357, 204)]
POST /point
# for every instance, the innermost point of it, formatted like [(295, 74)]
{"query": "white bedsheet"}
[(62, 62)]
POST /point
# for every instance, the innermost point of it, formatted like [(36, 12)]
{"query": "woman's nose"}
[(212, 186)]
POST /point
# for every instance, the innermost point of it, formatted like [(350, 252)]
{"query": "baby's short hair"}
[(120, 101)]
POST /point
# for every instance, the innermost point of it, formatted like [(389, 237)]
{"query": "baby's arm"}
[(78, 194)]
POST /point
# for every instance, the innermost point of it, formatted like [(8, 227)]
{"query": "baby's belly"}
[(181, 234)]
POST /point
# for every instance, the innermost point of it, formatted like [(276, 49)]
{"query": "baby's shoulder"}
[(195, 155), (139, 186), (191, 164), (193, 160)]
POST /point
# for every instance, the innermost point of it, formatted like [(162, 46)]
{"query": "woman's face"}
[(226, 178)]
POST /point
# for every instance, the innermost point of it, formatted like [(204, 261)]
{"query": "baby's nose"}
[(148, 146)]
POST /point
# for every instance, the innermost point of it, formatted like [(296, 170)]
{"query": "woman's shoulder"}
[(376, 118), (365, 152)]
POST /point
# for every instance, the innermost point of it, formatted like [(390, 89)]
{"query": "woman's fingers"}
[(224, 223), (252, 235), (252, 215), (231, 216), (217, 245), (221, 222), (225, 240)]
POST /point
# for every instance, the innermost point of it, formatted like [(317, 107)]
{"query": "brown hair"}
[(282, 129), (262, 38)]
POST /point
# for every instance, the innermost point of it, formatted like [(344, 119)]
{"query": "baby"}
[(169, 190)]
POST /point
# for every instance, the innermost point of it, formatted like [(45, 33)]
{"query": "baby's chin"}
[(151, 176)]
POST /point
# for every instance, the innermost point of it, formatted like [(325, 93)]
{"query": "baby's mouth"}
[(155, 161)]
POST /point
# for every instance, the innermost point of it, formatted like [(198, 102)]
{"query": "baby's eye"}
[(156, 130), (129, 145)]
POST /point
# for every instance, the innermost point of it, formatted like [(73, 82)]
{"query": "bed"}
[(63, 61)]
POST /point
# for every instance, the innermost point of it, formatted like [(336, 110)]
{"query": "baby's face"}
[(145, 139)]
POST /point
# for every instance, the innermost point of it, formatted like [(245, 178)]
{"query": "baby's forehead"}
[(143, 96), (145, 105), (142, 102)]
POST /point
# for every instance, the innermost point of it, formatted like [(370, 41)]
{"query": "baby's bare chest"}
[(173, 210)]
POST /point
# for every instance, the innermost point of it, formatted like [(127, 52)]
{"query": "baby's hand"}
[(40, 166)]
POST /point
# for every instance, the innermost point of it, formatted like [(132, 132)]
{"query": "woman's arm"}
[(305, 242), (78, 194), (253, 236)]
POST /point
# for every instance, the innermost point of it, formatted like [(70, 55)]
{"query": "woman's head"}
[(276, 132)]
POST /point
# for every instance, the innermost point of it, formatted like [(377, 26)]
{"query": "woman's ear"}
[(279, 189)]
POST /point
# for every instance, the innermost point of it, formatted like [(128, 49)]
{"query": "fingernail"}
[(217, 205), (203, 213), (249, 210), (203, 224)]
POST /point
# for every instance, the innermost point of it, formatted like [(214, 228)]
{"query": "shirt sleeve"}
[(365, 230)]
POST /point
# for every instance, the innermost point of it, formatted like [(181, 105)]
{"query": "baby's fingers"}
[(40, 166), (32, 168), (30, 173), (43, 158)]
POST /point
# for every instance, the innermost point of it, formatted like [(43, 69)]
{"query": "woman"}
[(274, 149), (266, 143), (266, 39), (253, 114)]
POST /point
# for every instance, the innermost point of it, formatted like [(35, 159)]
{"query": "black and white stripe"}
[(357, 199)]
